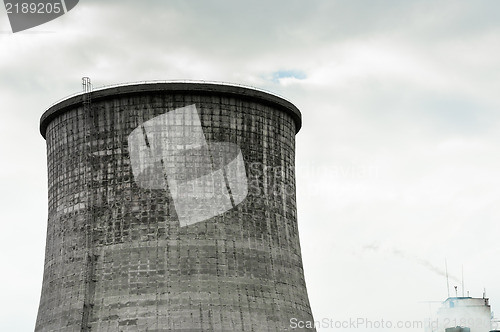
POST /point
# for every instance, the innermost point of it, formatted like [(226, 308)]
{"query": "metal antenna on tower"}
[(447, 279), (463, 289)]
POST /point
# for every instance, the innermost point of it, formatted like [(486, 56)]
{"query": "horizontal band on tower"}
[(187, 87)]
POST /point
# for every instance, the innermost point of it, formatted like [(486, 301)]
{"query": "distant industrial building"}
[(464, 314)]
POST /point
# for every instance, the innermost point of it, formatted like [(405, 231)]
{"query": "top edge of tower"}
[(206, 87)]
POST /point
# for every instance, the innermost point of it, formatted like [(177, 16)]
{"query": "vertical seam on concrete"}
[(89, 282)]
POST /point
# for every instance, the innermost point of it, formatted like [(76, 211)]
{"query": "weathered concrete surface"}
[(116, 257)]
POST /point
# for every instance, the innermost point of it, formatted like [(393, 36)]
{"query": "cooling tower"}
[(172, 208)]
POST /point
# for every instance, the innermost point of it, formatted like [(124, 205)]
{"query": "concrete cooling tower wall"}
[(172, 208)]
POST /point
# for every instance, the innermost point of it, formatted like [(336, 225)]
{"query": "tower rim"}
[(145, 87)]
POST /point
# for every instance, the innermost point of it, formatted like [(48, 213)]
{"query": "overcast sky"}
[(397, 161)]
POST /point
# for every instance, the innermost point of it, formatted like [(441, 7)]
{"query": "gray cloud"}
[(408, 89)]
